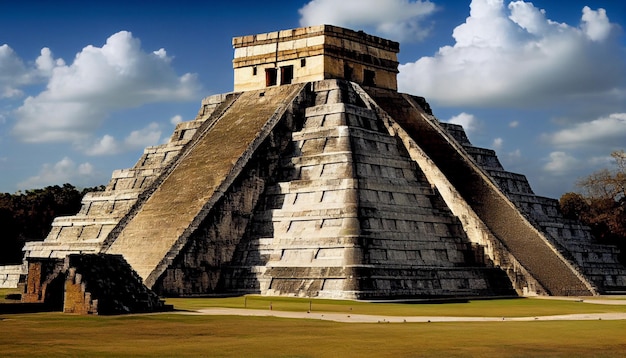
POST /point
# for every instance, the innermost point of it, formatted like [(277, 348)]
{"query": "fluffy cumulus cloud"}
[(468, 121), (401, 20), (108, 145), (63, 171), (609, 132), (79, 96), (14, 74), (515, 55), (559, 163)]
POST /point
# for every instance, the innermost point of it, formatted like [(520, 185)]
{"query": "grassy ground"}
[(171, 334), (4, 292), (519, 307), (183, 335)]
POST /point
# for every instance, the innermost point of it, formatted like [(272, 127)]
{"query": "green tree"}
[(27, 216)]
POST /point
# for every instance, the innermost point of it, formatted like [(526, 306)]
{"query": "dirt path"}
[(358, 318)]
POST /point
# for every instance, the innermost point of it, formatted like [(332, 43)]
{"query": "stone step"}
[(529, 246), (213, 163)]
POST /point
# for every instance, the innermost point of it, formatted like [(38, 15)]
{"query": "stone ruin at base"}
[(316, 178)]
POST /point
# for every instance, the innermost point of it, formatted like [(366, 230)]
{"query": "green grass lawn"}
[(57, 334), (172, 334)]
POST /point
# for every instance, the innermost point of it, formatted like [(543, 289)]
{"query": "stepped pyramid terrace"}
[(316, 178)]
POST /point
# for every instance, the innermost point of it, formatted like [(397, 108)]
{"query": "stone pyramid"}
[(317, 178)]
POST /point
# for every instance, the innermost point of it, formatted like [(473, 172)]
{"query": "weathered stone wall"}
[(105, 284), (88, 284), (316, 53), (10, 275), (44, 283)]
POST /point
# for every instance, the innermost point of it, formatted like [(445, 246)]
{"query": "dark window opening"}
[(303, 62), (286, 75), (270, 77), (347, 72), (253, 71), (368, 77)]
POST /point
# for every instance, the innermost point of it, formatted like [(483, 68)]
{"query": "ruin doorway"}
[(286, 75), (347, 72), (368, 77), (270, 77)]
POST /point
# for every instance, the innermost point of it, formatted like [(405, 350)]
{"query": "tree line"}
[(27, 216)]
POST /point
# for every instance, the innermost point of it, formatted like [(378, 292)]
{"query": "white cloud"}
[(64, 171), (497, 143), (514, 124), (46, 62), (517, 56), (80, 96), (144, 137), (605, 132), (397, 19), (138, 139), (162, 54), (13, 73), (596, 24), (468, 121), (176, 119), (107, 145), (559, 163), (86, 169)]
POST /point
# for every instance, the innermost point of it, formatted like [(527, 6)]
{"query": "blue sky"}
[(85, 86)]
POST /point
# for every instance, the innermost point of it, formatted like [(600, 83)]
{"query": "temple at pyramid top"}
[(312, 54)]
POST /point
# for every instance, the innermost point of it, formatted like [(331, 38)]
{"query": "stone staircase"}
[(540, 259), (598, 262), (100, 213), (150, 240)]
